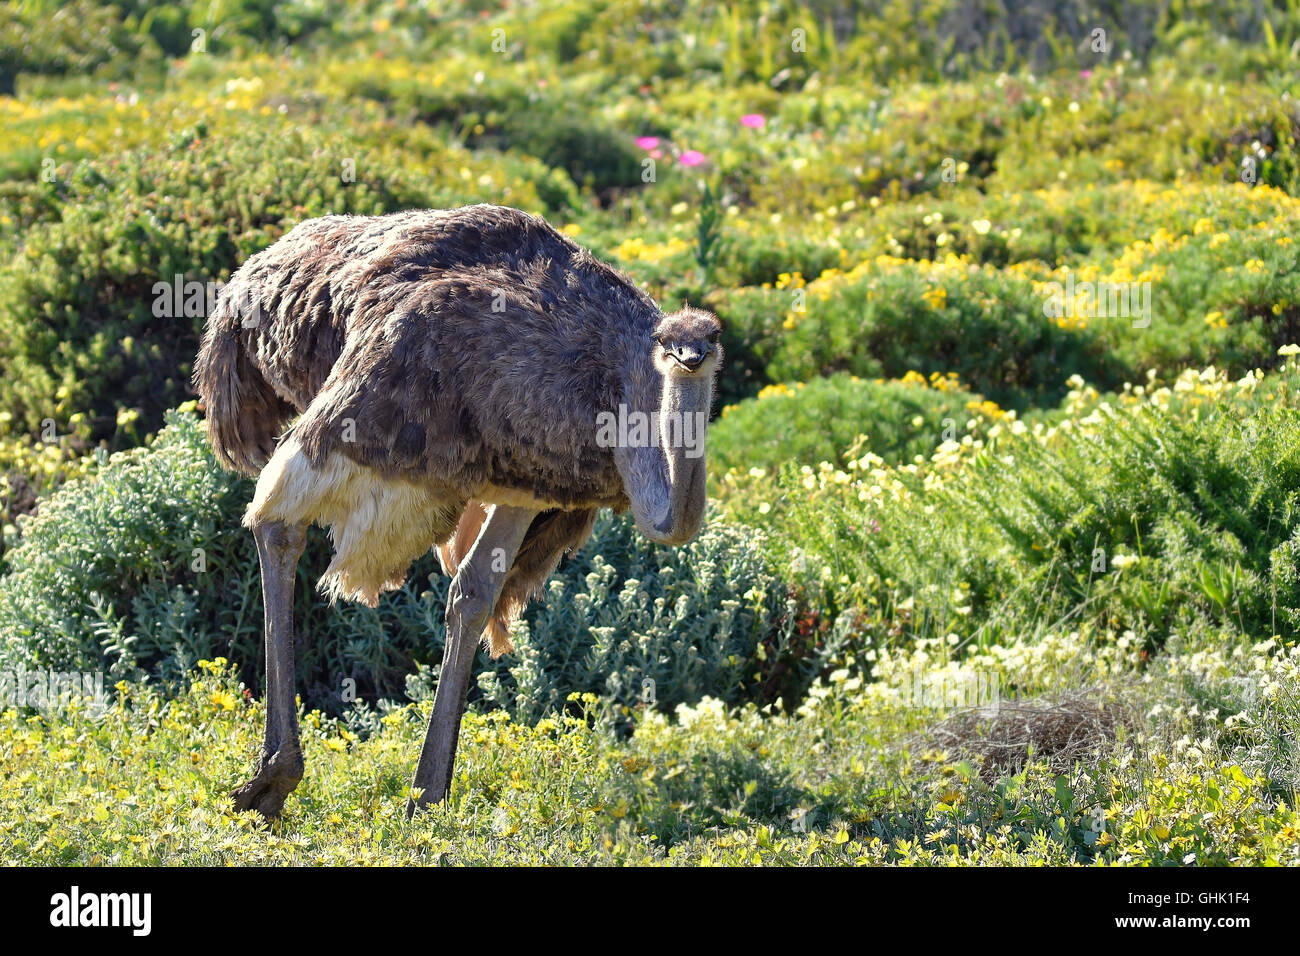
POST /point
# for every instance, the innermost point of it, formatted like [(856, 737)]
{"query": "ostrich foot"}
[(276, 778)]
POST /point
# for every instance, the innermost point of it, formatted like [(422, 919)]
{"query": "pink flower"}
[(647, 142), (691, 157), (1085, 73), (753, 120)]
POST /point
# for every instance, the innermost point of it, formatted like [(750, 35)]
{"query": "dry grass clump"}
[(1061, 729)]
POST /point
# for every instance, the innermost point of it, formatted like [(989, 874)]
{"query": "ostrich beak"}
[(690, 357)]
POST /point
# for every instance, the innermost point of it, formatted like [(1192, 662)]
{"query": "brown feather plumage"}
[(451, 350)]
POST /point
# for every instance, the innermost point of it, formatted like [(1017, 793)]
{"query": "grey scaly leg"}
[(280, 766), (470, 602)]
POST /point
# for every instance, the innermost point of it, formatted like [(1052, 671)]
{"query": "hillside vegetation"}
[(1003, 560)]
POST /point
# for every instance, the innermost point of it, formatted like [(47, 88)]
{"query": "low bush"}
[(79, 322), (1173, 511), (638, 625), (145, 569), (822, 420), (75, 37), (475, 102), (887, 317)]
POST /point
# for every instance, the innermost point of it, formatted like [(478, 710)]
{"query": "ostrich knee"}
[(469, 605)]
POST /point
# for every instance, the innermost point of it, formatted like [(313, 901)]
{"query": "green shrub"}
[(1174, 511), (78, 328), (494, 108), (145, 569), (888, 318), (634, 623), (1224, 290), (1098, 129), (44, 37), (1063, 225), (1228, 298), (72, 37), (816, 421), (592, 153), (108, 574)]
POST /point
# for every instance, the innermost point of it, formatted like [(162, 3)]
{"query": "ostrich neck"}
[(665, 481)]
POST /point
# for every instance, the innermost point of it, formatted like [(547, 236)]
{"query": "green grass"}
[(845, 782)]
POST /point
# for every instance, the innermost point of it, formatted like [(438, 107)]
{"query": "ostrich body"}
[(441, 378)]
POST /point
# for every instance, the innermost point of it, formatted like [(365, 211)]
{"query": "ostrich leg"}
[(279, 768), (470, 601)]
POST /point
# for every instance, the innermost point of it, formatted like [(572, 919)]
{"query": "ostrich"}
[(443, 378)]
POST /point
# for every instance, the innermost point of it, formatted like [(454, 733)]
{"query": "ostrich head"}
[(686, 343), (664, 477)]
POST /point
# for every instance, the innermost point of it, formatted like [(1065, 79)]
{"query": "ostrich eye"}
[(714, 336)]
